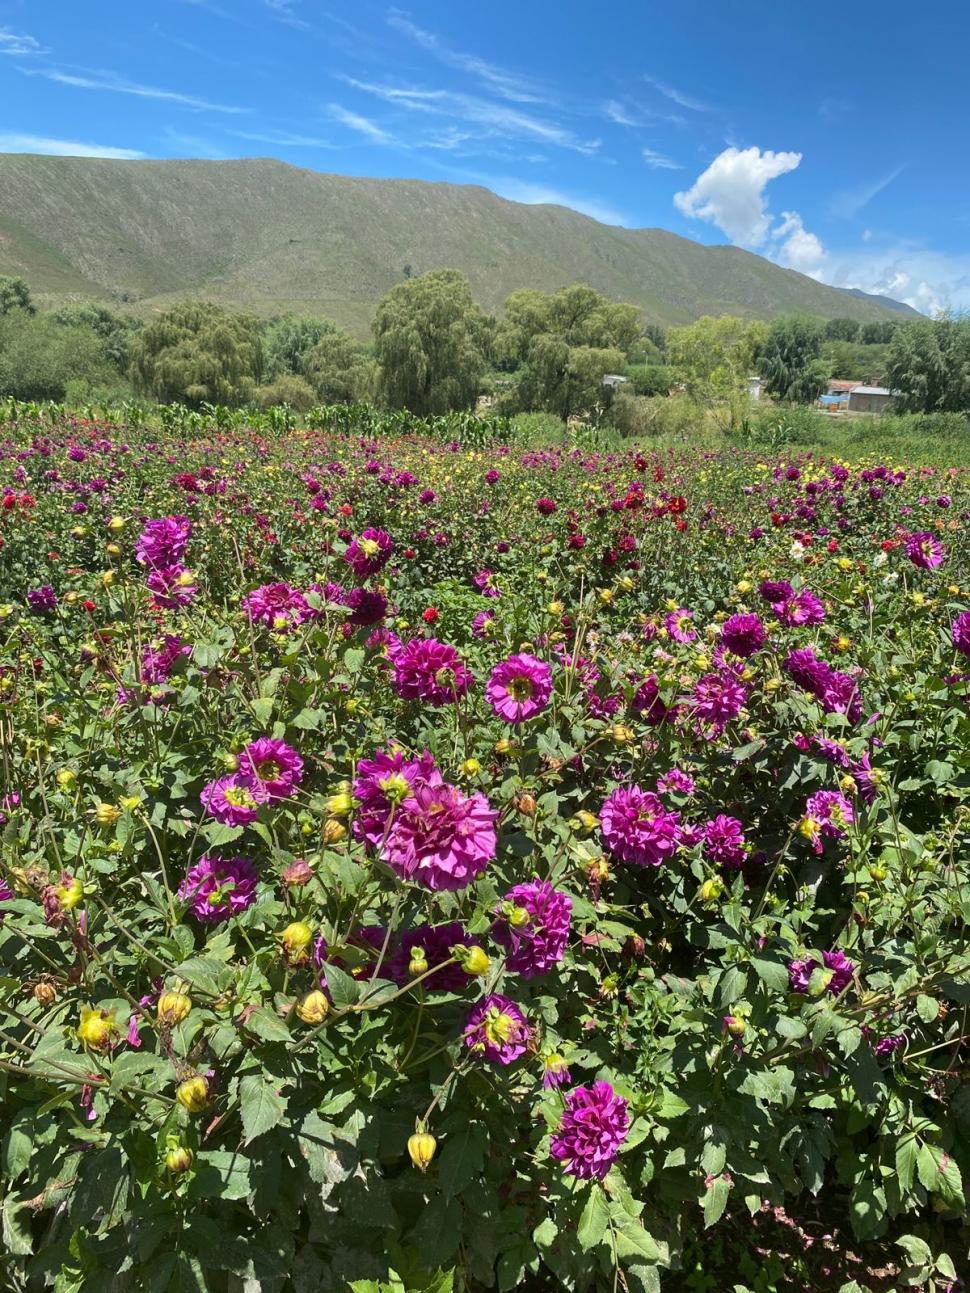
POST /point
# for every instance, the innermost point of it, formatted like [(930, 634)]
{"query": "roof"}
[(611, 379), (840, 384), (871, 390)]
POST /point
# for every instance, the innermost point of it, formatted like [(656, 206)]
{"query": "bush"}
[(652, 379), (639, 416), (39, 358), (289, 389), (538, 428)]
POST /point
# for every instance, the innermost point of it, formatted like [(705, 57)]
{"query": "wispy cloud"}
[(363, 125), (14, 143), (194, 146), (283, 9), (677, 96), (498, 119), (833, 108), (627, 112), (850, 202), (282, 139), (113, 84), (657, 161), (18, 44), (509, 85)]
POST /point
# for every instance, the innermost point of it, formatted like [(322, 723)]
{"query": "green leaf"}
[(308, 720), (631, 1238), (344, 990), (221, 1174), (927, 1008), (261, 1106), (206, 975), (18, 1144), (594, 1220), (773, 973), (267, 1025), (462, 1159), (715, 1200), (906, 1153), (262, 708), (732, 985)]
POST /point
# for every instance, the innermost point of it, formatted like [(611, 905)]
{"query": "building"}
[(754, 388), (870, 399), (614, 381), (841, 386), (836, 400)]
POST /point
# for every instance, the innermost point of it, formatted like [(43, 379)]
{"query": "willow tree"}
[(430, 341), (198, 352)]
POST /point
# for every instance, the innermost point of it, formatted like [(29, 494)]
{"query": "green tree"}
[(431, 340), (288, 340), (716, 356), (563, 379), (289, 389), (791, 361), (115, 330), (339, 370), (15, 295), (652, 379), (842, 330), (929, 365), (878, 333), (39, 358), (198, 352), (577, 315)]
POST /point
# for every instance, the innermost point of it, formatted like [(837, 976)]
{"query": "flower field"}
[(429, 866)]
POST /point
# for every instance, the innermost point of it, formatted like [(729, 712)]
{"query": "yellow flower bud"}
[(296, 938), (621, 734), (173, 1007), (106, 814), (113, 550), (471, 767), (116, 523), (193, 1094), (96, 1031), (710, 890), (340, 805), (555, 608), (130, 802), (333, 831), (421, 1148), (108, 578), (473, 960), (502, 746), (66, 778), (418, 963), (179, 1159), (313, 1008)]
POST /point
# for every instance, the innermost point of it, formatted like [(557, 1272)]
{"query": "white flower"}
[(880, 559), (891, 578), (797, 551)]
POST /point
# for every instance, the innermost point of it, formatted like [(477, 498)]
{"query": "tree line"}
[(434, 350)]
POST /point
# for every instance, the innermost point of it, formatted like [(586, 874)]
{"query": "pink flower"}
[(827, 813), (370, 553), (171, 586), (649, 704), (497, 1030), (217, 888), (594, 1125), (675, 781), (925, 550), (519, 688), (270, 767), (533, 926), (158, 662), (381, 780), (428, 670), (717, 699), (637, 828), (840, 968), (441, 838), (961, 633), (724, 842), (802, 608), (743, 635), (162, 543), (231, 801), (679, 626), (279, 606)]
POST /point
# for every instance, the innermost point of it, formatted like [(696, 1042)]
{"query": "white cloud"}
[(657, 161), (731, 193), (118, 85), (797, 248), (927, 280), (284, 11), (627, 112), (507, 84), (538, 195), (13, 143), (850, 202), (363, 125), (282, 139), (498, 119), (867, 235), (677, 96), (18, 44)]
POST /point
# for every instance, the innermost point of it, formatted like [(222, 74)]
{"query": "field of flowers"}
[(431, 867)]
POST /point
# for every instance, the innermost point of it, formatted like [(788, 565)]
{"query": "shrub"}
[(289, 389)]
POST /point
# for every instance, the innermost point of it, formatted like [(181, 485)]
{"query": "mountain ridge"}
[(260, 234)]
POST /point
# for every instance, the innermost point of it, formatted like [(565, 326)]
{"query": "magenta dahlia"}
[(270, 767), (231, 801), (594, 1125), (925, 550), (840, 971), (961, 633), (717, 699), (279, 606), (162, 543), (370, 553), (519, 688), (637, 828), (533, 925), (724, 842), (429, 670), (441, 838), (434, 943), (385, 780), (743, 635), (217, 888), (497, 1030)]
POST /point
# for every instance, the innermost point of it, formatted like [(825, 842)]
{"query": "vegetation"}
[(374, 791), (268, 238)]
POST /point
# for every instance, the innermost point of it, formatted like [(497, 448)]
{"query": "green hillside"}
[(271, 237)]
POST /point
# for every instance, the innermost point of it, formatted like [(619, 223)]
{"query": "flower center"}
[(239, 797), (499, 1028), (520, 688)]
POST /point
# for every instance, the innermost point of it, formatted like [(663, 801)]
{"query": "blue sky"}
[(831, 137)]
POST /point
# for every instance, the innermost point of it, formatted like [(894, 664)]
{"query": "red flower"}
[(887, 545), (345, 510), (546, 506), (677, 505), (409, 552), (430, 615), (88, 604), (833, 545)]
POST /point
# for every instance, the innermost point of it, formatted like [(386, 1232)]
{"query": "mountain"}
[(270, 237)]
